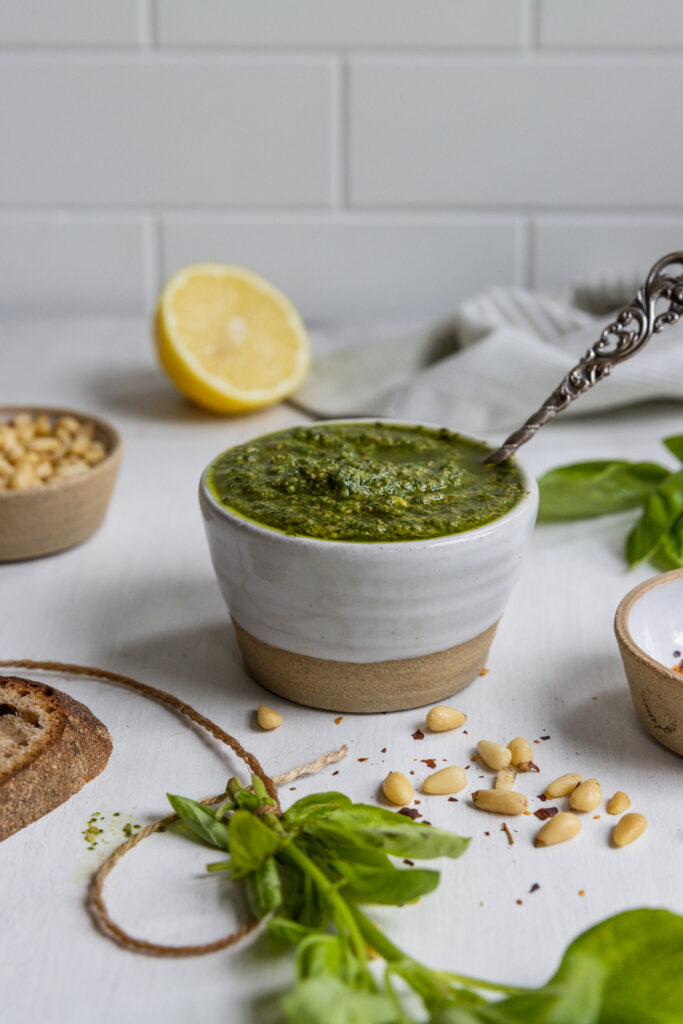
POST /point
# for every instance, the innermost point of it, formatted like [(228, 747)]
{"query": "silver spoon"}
[(630, 331)]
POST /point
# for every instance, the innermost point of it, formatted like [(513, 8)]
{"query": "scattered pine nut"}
[(520, 753), (443, 718), (586, 796), (397, 789), (494, 755), (562, 827), (500, 801), (445, 781), (505, 779), (628, 829), (563, 786), (268, 718), (618, 803)]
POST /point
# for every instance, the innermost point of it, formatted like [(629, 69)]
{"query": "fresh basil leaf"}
[(251, 843), (662, 509), (675, 445), (264, 890), (625, 970), (317, 805), (319, 955), (574, 994), (377, 828), (385, 883), (587, 489), (287, 930), (669, 554), (200, 821), (330, 1001)]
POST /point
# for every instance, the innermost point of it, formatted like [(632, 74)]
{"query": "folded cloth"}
[(488, 367)]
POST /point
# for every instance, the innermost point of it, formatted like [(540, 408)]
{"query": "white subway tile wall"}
[(375, 158)]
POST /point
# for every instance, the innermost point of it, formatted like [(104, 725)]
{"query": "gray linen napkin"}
[(490, 365)]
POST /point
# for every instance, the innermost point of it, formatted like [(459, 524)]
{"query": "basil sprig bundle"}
[(306, 872), (583, 490)]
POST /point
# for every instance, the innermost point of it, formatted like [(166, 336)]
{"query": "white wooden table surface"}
[(140, 597)]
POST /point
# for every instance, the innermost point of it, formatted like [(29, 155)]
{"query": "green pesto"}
[(365, 482)]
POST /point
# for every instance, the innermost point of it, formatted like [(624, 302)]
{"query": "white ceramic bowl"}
[(366, 626)]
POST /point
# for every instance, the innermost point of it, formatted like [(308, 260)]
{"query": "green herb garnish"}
[(584, 490), (308, 870)]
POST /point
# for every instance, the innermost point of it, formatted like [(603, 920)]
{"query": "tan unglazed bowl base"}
[(370, 686)]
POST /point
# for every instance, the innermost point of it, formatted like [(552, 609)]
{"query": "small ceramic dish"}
[(649, 629), (352, 626), (41, 520)]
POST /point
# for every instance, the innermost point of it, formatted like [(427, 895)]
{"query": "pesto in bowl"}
[(365, 482)]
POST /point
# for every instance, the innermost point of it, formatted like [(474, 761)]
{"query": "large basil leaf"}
[(200, 821), (251, 843), (662, 509), (385, 883), (376, 828), (317, 805), (586, 489), (626, 970), (675, 445)]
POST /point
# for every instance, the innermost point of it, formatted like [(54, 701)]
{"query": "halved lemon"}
[(228, 339)]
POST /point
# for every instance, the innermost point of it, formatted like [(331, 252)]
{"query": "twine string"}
[(96, 901)]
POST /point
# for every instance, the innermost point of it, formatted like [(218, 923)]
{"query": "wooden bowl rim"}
[(114, 448), (623, 633)]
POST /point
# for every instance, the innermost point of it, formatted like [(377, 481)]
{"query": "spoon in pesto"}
[(626, 335)]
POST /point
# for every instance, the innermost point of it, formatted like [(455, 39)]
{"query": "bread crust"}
[(73, 748)]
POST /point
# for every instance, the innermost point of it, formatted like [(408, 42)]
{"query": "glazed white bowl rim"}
[(623, 630), (270, 532)]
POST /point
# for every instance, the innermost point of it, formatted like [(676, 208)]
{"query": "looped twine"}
[(96, 902)]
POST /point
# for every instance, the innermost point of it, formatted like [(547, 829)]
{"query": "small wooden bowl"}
[(42, 520), (649, 629)]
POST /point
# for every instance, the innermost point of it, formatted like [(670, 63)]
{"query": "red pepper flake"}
[(582, 892), (362, 758), (411, 772), (537, 741), (410, 863), (466, 767), (595, 698), (484, 672), (416, 801), (543, 813), (429, 761), (487, 833), (418, 734), (518, 902), (292, 788), (475, 757), (336, 773), (452, 799), (465, 732), (542, 796), (383, 750), (505, 828), (535, 887), (338, 720), (530, 766), (545, 737), (410, 812)]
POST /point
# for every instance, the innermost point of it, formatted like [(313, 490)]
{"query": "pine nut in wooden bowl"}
[(57, 473)]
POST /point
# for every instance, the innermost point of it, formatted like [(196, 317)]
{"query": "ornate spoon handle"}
[(623, 338)]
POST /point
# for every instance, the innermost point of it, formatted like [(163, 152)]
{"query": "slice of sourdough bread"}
[(50, 746)]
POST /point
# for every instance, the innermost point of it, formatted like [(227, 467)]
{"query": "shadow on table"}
[(140, 393), (608, 724)]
